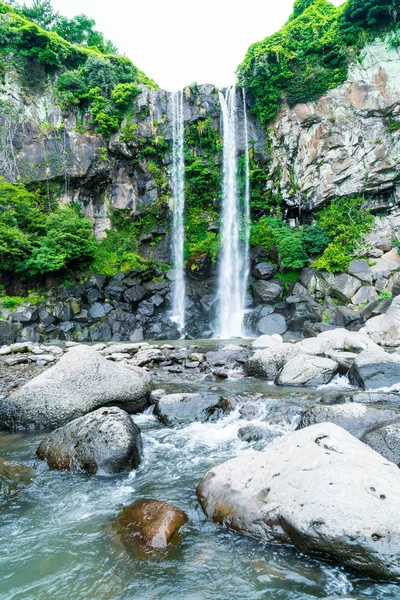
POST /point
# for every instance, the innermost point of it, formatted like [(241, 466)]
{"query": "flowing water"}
[(233, 269), (178, 190), (57, 542)]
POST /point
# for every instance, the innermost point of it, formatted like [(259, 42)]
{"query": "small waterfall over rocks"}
[(178, 191), (235, 233)]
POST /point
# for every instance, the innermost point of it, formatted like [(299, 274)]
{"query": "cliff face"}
[(347, 143)]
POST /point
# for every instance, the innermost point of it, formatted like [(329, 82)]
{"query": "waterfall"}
[(246, 206), (233, 267), (178, 192)]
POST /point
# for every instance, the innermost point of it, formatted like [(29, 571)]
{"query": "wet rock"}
[(80, 382), (172, 409), (386, 441), (374, 369), (385, 329), (264, 270), (46, 318), (148, 525), (100, 332), (106, 440), (307, 370), (302, 309), (316, 489), (345, 360), (198, 266), (268, 291), (62, 311), (356, 418), (135, 293), (13, 477), (96, 311)]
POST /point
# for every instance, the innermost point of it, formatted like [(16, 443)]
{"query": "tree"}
[(81, 30), (41, 12)]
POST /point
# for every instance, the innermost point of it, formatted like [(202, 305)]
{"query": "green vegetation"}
[(310, 54), (34, 241), (92, 78), (336, 236), (203, 147), (346, 221)]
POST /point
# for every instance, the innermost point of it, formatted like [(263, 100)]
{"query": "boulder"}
[(272, 324), (172, 409), (267, 341), (13, 477), (8, 332), (268, 291), (346, 316), (361, 269), (148, 525), (106, 440), (264, 270), (386, 441), (319, 489), (385, 329), (374, 369), (307, 370), (356, 418), (25, 314), (267, 363), (342, 286), (366, 294), (80, 382), (338, 339)]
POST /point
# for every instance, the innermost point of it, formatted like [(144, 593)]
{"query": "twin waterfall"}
[(235, 219)]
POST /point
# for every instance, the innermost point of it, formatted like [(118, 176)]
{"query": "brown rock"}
[(149, 525)]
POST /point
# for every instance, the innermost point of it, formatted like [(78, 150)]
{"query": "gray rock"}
[(367, 293), (356, 418), (62, 311), (316, 489), (8, 332), (374, 369), (361, 269), (348, 317), (135, 293), (386, 441), (267, 363), (25, 314), (106, 440), (80, 382), (172, 409), (307, 370), (265, 270), (268, 291), (272, 324), (96, 311), (46, 318), (343, 286), (385, 329), (100, 332)]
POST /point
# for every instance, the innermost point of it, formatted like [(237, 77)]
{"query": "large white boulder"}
[(307, 370), (80, 382), (319, 489)]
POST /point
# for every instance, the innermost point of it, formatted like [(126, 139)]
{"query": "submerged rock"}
[(105, 440), (14, 476), (149, 525), (319, 489), (80, 382), (172, 409)]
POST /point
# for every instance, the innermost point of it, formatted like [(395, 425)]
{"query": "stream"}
[(57, 540)]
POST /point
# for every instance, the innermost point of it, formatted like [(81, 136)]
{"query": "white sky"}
[(178, 42)]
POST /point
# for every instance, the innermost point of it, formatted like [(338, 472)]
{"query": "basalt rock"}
[(106, 440)]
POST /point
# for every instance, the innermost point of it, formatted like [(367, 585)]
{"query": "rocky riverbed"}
[(104, 445)]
